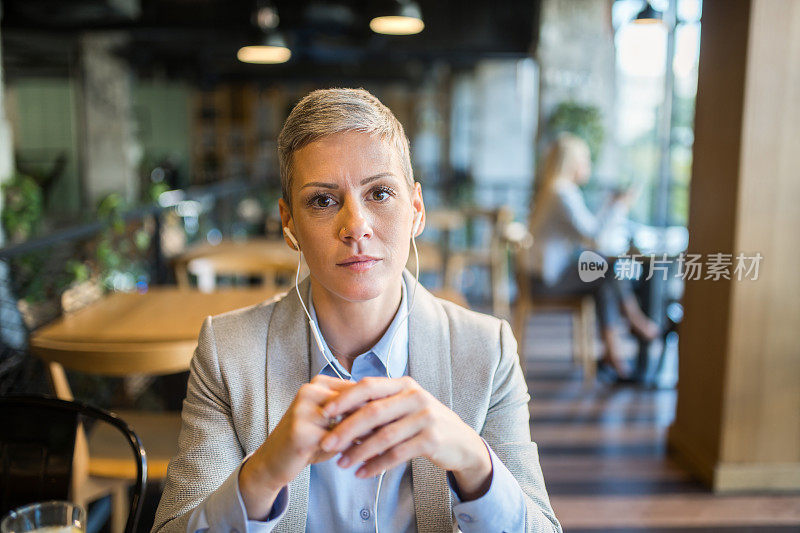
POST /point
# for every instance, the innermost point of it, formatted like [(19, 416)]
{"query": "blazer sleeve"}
[(507, 430), (203, 476)]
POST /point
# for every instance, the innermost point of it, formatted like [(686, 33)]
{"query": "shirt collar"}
[(399, 354)]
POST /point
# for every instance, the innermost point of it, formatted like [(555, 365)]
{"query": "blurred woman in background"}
[(562, 227)]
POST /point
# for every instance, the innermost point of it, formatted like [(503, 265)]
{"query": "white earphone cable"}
[(311, 322)]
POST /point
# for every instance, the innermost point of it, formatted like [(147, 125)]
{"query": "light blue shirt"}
[(340, 502)]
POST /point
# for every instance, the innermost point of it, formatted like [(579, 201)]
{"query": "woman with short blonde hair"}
[(358, 401)]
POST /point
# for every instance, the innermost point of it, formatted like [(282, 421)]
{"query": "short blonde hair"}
[(328, 111)]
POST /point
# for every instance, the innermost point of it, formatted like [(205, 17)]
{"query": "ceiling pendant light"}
[(265, 15), (404, 18), (271, 52)]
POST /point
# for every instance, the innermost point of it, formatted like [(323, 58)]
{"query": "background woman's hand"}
[(292, 445), (397, 420), (627, 196)]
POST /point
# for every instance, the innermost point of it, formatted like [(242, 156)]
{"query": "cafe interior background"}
[(140, 182)]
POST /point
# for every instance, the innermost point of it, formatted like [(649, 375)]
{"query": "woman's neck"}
[(351, 328)]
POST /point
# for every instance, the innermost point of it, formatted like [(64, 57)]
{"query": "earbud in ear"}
[(417, 222), (290, 236)]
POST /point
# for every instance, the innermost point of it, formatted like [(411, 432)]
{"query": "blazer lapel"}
[(430, 365), (287, 370)]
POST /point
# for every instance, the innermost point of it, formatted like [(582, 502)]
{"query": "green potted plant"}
[(585, 121), (22, 207)]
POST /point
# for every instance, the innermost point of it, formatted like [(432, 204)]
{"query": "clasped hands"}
[(386, 422)]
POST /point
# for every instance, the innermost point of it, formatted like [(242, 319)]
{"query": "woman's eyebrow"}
[(377, 177), (325, 185), (320, 184)]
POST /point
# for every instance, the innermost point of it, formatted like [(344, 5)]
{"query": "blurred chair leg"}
[(520, 320), (451, 273), (588, 323), (498, 270), (58, 381), (576, 317), (268, 279), (119, 508), (182, 276)]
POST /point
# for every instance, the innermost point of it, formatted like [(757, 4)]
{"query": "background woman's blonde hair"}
[(561, 161), (328, 111)]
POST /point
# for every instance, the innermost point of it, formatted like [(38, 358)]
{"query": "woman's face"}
[(352, 213)]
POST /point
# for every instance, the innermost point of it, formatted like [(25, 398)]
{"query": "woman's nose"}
[(354, 224)]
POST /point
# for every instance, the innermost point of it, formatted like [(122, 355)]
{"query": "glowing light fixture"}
[(266, 16), (273, 51), (404, 18), (648, 15)]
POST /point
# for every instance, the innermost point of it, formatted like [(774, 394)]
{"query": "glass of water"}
[(45, 517)]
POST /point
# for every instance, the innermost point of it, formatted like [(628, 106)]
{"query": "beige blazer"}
[(250, 363)]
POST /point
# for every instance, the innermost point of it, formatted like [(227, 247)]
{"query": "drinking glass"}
[(45, 517)]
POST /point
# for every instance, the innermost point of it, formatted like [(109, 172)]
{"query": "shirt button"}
[(364, 514), (466, 518)]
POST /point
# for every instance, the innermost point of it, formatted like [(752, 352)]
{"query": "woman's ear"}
[(418, 207), (288, 225)]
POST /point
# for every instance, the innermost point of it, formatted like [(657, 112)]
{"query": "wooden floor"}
[(602, 450)]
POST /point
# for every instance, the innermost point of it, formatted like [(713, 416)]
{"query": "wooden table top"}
[(153, 333)]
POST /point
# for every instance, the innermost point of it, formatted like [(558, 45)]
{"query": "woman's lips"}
[(359, 263)]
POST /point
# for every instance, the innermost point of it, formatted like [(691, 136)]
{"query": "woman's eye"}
[(381, 194), (320, 201)]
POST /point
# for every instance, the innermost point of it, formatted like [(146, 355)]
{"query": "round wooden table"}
[(154, 333), (124, 333)]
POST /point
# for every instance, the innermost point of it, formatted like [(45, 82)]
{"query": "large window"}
[(642, 58)]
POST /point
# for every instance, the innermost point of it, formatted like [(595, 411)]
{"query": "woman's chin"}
[(358, 287), (361, 288), (360, 294)]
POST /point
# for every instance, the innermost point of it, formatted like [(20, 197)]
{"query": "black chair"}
[(37, 442), (15, 363)]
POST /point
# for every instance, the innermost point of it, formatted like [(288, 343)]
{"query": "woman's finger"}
[(311, 413), (402, 453), (320, 392), (321, 457), (364, 391), (384, 439), (315, 394), (374, 414), (332, 382)]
